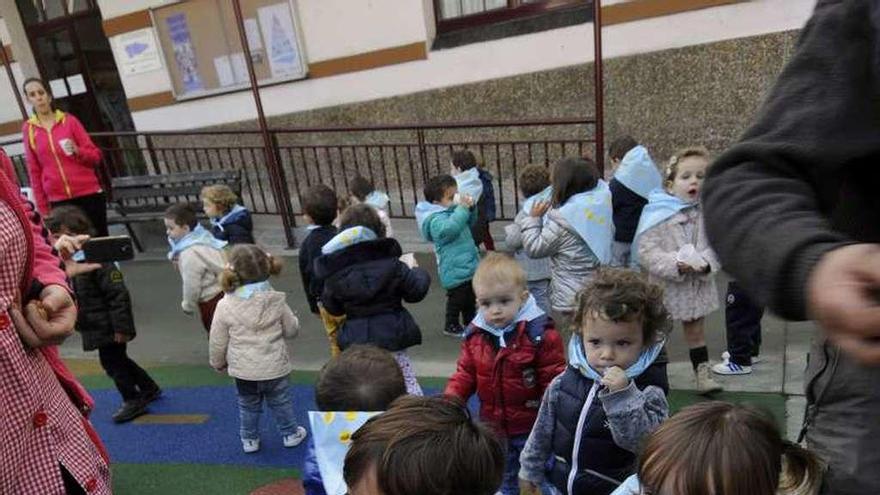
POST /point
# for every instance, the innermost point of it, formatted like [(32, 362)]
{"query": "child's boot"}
[(705, 383)]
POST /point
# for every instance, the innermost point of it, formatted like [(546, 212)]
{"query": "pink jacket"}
[(54, 175)]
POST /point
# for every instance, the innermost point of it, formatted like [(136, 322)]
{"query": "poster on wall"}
[(137, 52), (280, 37), (184, 53)]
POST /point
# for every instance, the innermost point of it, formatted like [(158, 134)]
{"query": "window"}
[(37, 11), (202, 47), (459, 14)]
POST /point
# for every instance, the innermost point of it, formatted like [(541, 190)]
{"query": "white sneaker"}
[(295, 439), (731, 368), (250, 446), (725, 357)]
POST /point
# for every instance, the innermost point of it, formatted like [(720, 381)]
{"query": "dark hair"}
[(533, 179), (426, 446), (360, 187), (617, 294), (571, 176), (709, 447), (71, 218), (464, 160), (364, 216), (362, 378), (319, 203), (248, 264), (437, 186), (621, 146), (182, 214)]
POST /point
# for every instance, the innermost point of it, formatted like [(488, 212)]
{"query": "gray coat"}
[(572, 263), (535, 268)]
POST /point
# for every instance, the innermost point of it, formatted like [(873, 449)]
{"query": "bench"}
[(145, 198)]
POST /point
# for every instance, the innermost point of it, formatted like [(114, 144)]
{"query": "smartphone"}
[(107, 249)]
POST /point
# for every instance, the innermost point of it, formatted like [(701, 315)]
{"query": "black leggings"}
[(94, 206), (460, 301)]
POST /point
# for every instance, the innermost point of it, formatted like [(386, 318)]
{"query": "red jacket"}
[(54, 175), (509, 381)]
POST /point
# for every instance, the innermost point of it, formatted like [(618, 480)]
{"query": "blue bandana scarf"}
[(331, 434), (349, 237), (661, 207), (377, 199), (590, 214), (199, 235), (469, 184), (578, 358), (247, 291), (638, 173), (234, 214), (528, 312), (545, 195), (424, 211)]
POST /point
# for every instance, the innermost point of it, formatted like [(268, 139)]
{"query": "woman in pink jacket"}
[(61, 159)]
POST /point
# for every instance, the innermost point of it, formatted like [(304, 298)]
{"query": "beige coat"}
[(690, 296), (200, 267), (248, 336)]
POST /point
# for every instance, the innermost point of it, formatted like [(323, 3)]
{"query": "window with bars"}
[(457, 14), (37, 11)]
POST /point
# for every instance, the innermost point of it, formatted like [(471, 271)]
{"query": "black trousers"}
[(743, 317), (460, 303), (94, 206), (131, 380)]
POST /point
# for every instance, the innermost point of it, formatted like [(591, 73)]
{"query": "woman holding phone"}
[(61, 159)]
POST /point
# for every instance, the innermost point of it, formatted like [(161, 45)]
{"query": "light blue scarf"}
[(630, 486), (425, 210), (528, 312), (590, 214), (199, 235), (377, 199), (78, 256), (469, 184), (331, 432), (545, 195), (578, 358), (638, 173), (236, 212), (247, 291), (661, 207), (349, 237)]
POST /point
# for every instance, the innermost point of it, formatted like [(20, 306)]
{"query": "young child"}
[(466, 172), (365, 280), (198, 256), (671, 245), (445, 220), (230, 221), (575, 234), (534, 184), (319, 205), (511, 352), (105, 320), (363, 378), (635, 176), (489, 208), (363, 191), (742, 317), (612, 394), (722, 448), (424, 446), (248, 340)]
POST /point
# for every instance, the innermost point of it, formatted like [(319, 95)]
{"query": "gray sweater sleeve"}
[(633, 414), (538, 447)]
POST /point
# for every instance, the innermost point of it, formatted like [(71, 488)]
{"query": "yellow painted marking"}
[(171, 419)]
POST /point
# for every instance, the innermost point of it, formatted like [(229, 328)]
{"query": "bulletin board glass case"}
[(202, 49)]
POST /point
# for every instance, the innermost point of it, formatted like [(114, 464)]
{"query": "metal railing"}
[(397, 158)]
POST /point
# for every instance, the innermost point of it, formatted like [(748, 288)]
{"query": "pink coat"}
[(54, 175)]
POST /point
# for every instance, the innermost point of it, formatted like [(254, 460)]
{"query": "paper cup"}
[(65, 146)]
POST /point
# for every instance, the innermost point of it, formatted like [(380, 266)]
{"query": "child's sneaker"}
[(250, 446), (705, 384), (731, 368), (454, 330), (295, 439), (725, 357)]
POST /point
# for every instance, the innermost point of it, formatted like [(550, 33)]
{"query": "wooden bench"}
[(145, 198)]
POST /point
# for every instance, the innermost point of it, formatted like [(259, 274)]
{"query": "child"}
[(534, 184), (445, 220), (635, 176), (722, 448), (576, 233), (363, 378), (248, 340), (470, 182), (489, 208), (198, 256), (230, 221), (365, 280), (106, 322), (511, 352), (594, 415), (319, 205), (424, 446), (363, 191), (742, 316), (671, 245)]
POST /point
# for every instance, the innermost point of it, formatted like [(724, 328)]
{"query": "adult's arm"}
[(87, 152), (766, 214)]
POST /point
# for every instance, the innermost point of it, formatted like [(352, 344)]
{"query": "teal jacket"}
[(457, 255)]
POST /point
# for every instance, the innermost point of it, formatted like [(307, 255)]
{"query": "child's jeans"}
[(250, 405), (540, 290), (510, 481)]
